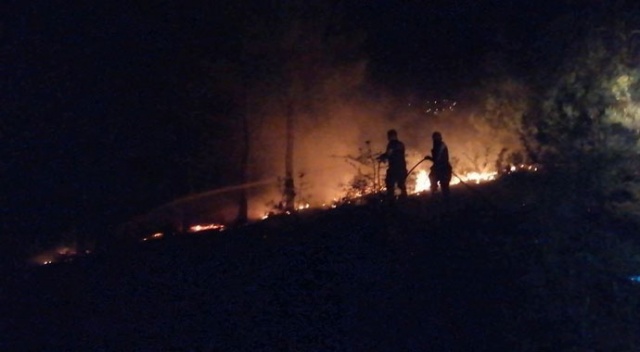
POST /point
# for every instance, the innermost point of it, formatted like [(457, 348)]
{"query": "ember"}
[(523, 168), (155, 236), (58, 254)]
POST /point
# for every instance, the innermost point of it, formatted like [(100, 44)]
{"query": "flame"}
[(523, 168), (61, 253), (192, 229), (213, 226), (478, 177), (422, 182), (155, 236)]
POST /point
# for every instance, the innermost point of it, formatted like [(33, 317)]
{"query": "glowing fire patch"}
[(478, 177), (155, 236), (198, 228), (58, 254), (422, 182)]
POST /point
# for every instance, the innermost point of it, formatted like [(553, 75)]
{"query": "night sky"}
[(95, 96)]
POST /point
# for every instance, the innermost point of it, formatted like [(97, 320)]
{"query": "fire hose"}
[(414, 167)]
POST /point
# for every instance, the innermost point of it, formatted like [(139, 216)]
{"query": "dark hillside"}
[(423, 275)]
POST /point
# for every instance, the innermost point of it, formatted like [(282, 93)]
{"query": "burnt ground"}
[(422, 275)]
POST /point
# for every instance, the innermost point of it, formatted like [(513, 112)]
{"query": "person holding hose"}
[(397, 170), (441, 170)]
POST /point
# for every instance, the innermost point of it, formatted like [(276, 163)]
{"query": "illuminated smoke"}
[(336, 113), (343, 126), (324, 139)]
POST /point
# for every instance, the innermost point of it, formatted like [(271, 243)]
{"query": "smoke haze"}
[(337, 108)]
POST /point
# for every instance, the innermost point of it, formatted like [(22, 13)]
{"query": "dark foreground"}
[(420, 276)]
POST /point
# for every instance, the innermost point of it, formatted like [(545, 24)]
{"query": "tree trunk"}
[(243, 202), (289, 187)]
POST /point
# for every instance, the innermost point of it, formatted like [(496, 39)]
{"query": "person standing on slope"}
[(397, 170), (441, 170)]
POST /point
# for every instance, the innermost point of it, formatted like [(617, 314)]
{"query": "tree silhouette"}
[(589, 121)]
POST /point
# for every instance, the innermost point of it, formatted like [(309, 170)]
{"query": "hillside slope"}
[(421, 275)]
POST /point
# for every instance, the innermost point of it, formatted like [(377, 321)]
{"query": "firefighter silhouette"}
[(397, 170), (441, 170)]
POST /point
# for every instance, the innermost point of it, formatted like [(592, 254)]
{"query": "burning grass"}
[(359, 193)]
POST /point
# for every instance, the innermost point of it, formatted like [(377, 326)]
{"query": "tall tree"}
[(505, 101), (589, 120), (302, 47), (315, 48), (287, 61)]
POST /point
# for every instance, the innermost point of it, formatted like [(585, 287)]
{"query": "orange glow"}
[(524, 168), (56, 255), (422, 182), (155, 236), (479, 177), (422, 185), (198, 228)]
